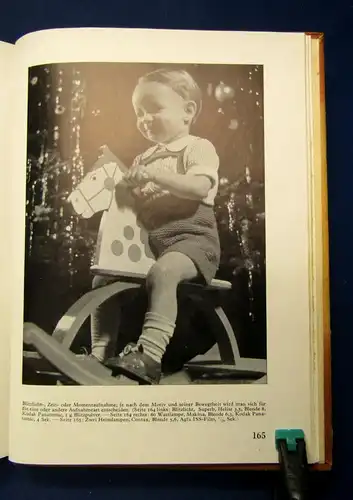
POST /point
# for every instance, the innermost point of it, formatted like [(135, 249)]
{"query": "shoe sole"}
[(133, 376)]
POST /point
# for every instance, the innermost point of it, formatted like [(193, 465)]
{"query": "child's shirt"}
[(189, 155)]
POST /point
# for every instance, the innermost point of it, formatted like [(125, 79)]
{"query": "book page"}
[(200, 283), (6, 59)]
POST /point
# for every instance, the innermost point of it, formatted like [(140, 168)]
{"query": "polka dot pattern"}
[(134, 253), (117, 248), (129, 232)]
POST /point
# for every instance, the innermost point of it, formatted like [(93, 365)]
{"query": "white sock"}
[(103, 343), (156, 334)]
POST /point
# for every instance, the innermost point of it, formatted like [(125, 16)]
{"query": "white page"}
[(6, 59), (287, 394)]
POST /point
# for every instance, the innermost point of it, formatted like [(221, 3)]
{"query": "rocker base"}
[(54, 363)]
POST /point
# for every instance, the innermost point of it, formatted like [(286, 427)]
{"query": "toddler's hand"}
[(137, 176)]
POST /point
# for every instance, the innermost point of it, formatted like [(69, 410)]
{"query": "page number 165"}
[(259, 435)]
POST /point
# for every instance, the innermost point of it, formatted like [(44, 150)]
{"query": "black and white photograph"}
[(145, 257)]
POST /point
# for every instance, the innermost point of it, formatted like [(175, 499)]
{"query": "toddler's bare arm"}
[(195, 187)]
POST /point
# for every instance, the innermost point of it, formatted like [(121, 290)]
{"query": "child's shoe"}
[(135, 364)]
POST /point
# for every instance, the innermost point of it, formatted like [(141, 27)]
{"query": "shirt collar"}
[(176, 145)]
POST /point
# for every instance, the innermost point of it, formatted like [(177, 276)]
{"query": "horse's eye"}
[(93, 178)]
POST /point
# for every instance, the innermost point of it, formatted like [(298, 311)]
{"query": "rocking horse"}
[(122, 254)]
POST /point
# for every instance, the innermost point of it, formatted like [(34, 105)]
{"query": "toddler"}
[(174, 184)]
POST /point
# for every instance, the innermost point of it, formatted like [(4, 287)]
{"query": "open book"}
[(164, 259)]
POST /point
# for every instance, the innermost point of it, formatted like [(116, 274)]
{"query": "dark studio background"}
[(335, 19), (73, 110)]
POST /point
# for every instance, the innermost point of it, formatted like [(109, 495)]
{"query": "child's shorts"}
[(187, 227)]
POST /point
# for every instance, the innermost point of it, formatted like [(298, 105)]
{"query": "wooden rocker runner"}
[(123, 254)]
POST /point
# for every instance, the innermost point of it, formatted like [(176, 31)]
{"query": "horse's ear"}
[(110, 168), (121, 165), (114, 171), (118, 174)]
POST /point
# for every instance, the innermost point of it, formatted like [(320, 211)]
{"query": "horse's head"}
[(95, 192)]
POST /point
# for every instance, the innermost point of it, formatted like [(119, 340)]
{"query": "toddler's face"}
[(162, 114)]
